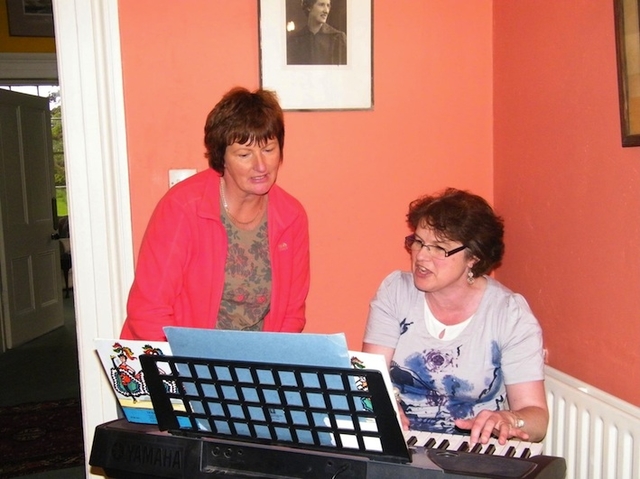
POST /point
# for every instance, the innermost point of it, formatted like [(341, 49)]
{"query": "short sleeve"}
[(522, 353), (389, 309)]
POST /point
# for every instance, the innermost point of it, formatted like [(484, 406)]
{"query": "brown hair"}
[(464, 217), (242, 117), (307, 5)]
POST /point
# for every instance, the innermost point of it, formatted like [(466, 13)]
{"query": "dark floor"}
[(42, 370)]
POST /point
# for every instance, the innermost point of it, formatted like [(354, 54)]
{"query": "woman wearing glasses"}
[(464, 352)]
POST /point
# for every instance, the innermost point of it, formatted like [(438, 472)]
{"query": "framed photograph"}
[(30, 18), (628, 55), (317, 54)]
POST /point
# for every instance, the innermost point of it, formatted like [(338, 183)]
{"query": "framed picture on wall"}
[(627, 29), (30, 18), (317, 54)]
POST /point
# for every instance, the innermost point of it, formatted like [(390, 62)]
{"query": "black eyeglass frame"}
[(411, 239)]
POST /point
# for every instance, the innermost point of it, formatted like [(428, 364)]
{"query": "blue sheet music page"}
[(304, 349), (282, 413)]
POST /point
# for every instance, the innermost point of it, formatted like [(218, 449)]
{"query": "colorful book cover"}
[(120, 360), (376, 362)]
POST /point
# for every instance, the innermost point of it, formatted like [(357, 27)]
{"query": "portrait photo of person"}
[(316, 32)]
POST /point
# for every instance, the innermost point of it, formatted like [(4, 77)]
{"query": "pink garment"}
[(180, 270)]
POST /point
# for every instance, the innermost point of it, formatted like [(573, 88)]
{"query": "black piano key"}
[(490, 449), (412, 441), (444, 445), (430, 443), (463, 447), (526, 453), (477, 448), (510, 452)]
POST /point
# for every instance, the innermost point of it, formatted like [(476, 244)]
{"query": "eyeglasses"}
[(438, 252)]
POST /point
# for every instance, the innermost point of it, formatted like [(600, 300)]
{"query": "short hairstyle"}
[(307, 5), (464, 217), (242, 117)]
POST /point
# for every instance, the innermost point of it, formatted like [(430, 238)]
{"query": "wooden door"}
[(29, 257)]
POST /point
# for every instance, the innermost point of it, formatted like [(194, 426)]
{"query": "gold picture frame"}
[(627, 28)]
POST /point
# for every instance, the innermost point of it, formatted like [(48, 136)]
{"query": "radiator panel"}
[(597, 433)]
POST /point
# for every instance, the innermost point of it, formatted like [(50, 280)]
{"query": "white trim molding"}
[(90, 74), (36, 68)]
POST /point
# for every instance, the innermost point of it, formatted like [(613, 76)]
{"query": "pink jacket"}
[(180, 270)]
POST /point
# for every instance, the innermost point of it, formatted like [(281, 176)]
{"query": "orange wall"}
[(355, 172), (9, 44), (567, 189), (570, 193)]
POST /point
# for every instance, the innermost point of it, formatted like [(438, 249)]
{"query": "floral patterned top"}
[(247, 286), (441, 380)]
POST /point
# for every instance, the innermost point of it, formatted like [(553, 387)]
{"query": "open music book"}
[(120, 360)]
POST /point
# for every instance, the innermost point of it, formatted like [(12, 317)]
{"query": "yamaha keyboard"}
[(234, 419), (127, 450)]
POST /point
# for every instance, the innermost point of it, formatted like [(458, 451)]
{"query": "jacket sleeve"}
[(294, 319), (158, 278)]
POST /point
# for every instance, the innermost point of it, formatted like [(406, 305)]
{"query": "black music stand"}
[(337, 410)]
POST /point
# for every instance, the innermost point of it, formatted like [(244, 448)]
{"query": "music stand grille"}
[(341, 410)]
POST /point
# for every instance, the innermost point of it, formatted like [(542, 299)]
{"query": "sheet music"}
[(258, 346)]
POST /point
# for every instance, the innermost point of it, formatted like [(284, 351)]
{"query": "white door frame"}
[(90, 77)]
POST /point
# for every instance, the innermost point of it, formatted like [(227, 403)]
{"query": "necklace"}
[(226, 208)]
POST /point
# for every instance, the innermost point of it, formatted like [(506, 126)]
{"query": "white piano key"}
[(520, 447), (455, 440), (421, 437), (510, 450), (430, 441), (444, 443), (476, 448), (536, 448), (500, 448), (490, 447)]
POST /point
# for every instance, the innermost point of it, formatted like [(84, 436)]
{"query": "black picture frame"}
[(627, 32), (30, 18)]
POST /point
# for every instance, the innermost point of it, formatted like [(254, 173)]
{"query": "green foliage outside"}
[(61, 201), (58, 148), (59, 176)]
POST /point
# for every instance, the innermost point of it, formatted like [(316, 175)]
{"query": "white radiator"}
[(597, 433)]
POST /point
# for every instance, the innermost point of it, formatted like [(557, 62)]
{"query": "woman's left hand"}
[(501, 424)]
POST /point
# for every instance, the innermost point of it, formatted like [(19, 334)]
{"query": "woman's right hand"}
[(404, 420)]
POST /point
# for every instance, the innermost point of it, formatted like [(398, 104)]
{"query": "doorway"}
[(30, 266), (46, 368), (36, 243), (52, 93), (88, 45)]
